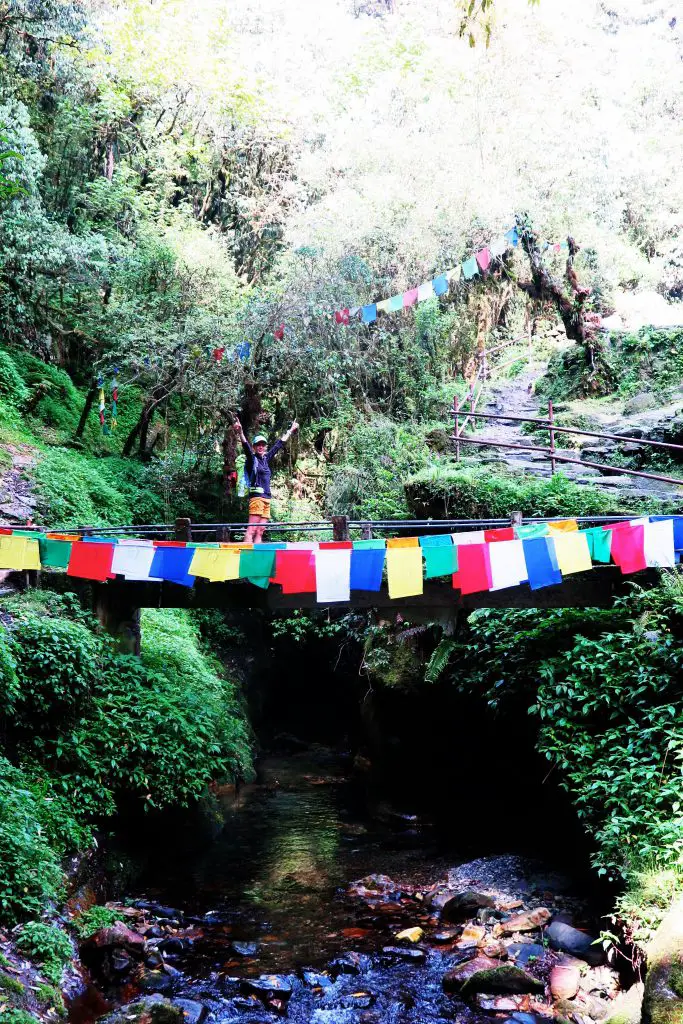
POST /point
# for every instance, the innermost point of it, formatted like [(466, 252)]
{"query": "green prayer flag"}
[(440, 560), (259, 581), (532, 530), (599, 543), (369, 545), (54, 554), (257, 563)]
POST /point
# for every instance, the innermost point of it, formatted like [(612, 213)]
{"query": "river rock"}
[(193, 1012), (268, 987), (315, 979), (525, 922), (349, 963), (373, 885), (446, 935), (158, 910), (405, 954), (525, 952), (152, 1009), (502, 978), (457, 975), (495, 948), (472, 935), (627, 1007), (663, 996), (496, 1004), (155, 981), (343, 1016), (410, 935), (244, 948), (463, 905), (173, 944), (564, 981), (118, 936), (565, 939)]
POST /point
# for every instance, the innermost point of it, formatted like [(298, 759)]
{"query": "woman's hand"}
[(294, 427)]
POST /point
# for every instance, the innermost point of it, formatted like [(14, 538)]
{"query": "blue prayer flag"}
[(512, 236), (541, 562), (367, 564), (172, 564), (440, 284), (369, 313)]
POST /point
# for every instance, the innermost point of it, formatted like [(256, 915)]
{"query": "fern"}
[(439, 660)]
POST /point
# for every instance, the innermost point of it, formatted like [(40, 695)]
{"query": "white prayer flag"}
[(425, 291), (659, 544), (508, 568), (333, 574)]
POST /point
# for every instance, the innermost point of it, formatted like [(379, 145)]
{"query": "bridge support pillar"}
[(118, 617)]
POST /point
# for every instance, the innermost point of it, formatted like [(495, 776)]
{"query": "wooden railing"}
[(553, 429)]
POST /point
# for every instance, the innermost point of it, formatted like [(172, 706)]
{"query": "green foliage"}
[(95, 918), (17, 1016), (379, 457), (49, 997), (12, 388), (476, 493), (11, 985), (48, 945)]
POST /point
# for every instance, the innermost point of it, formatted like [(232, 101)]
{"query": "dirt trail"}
[(17, 501)]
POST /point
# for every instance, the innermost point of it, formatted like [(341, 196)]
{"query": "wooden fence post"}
[(183, 530), (340, 527), (516, 518), (456, 410), (552, 438), (366, 533)]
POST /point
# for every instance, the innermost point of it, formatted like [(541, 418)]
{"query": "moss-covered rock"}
[(663, 997), (154, 1009)]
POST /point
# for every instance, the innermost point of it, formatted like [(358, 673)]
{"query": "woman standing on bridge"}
[(257, 471)]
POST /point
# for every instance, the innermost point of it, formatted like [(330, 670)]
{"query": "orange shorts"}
[(259, 507)]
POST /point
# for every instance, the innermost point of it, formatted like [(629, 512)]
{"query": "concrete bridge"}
[(118, 602)]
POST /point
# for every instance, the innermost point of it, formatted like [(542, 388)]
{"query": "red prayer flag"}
[(628, 548), (5, 531), (279, 332), (295, 571), (342, 316), (91, 561), (336, 545), (409, 298), (484, 258), (170, 544), (218, 353), (474, 568), (504, 533)]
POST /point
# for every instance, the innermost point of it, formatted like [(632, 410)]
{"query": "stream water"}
[(269, 896)]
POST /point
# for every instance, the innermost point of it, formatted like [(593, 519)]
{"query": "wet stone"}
[(565, 939), (350, 963), (404, 954), (158, 910), (526, 922), (525, 952), (268, 986), (173, 944), (315, 979), (501, 978), (244, 948), (193, 1012), (463, 905), (155, 981), (342, 1016), (446, 935)]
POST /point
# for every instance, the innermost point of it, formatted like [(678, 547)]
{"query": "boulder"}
[(525, 952), (148, 1010), (525, 922), (564, 981), (349, 963), (155, 981), (460, 972), (268, 987), (502, 978), (627, 1006), (463, 905), (315, 979), (118, 936), (193, 1012), (663, 995), (472, 935), (565, 939)]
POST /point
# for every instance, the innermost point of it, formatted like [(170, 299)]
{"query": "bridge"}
[(118, 602)]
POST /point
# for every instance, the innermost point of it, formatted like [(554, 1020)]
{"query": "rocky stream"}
[(310, 906)]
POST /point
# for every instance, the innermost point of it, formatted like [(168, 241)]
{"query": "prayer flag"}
[(504, 533), (32, 554), (599, 543), (279, 332), (404, 570), (532, 530), (473, 537), (383, 306), (133, 561), (454, 274), (470, 268), (171, 562), (474, 568), (403, 542), (216, 564), (425, 291), (295, 570), (90, 561), (628, 547), (12, 552), (572, 553), (369, 313), (678, 529), (440, 555), (440, 284), (541, 563), (367, 564), (342, 316), (484, 258), (409, 297), (563, 526), (395, 303), (54, 554), (508, 566), (257, 562), (498, 247), (333, 573), (512, 236), (659, 544), (557, 247)]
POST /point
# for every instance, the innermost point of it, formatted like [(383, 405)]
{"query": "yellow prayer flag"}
[(13, 553), (573, 553), (564, 526), (403, 542), (216, 564), (404, 571), (32, 556)]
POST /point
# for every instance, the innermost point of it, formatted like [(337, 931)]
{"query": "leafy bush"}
[(94, 918), (74, 490), (12, 388), (48, 945)]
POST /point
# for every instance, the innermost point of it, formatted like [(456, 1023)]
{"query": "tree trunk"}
[(89, 399), (141, 428)]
